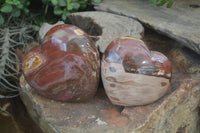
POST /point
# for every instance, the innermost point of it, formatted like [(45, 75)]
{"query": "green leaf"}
[(16, 13), (26, 11), (69, 1), (66, 12), (1, 20), (58, 11), (13, 2), (76, 5), (54, 2), (64, 15), (161, 3), (69, 6), (28, 3), (97, 1), (62, 3), (83, 5), (154, 1), (7, 8), (170, 3), (85, 1), (45, 1), (9, 2), (20, 6)]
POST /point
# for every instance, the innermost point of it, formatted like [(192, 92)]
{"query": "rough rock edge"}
[(93, 24), (184, 41), (49, 123), (46, 27), (150, 123)]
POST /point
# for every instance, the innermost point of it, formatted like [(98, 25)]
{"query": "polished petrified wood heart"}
[(65, 67), (132, 74)]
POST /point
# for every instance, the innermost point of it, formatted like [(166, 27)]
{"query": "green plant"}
[(64, 7), (13, 8), (53, 10), (162, 2)]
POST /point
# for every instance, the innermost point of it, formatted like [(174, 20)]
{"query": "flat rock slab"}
[(177, 111), (106, 26), (181, 21), (46, 27)]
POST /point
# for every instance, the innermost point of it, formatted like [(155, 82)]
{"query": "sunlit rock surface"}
[(106, 26), (180, 22)]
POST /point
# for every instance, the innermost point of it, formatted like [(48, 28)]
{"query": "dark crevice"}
[(194, 6), (21, 116), (121, 109), (86, 24)]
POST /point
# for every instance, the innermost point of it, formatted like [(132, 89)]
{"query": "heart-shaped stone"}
[(65, 67), (132, 74)]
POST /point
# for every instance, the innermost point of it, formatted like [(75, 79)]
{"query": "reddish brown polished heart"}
[(65, 67), (132, 74)]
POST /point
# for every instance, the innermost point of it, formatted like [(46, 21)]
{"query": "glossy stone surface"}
[(99, 115), (65, 67), (132, 74)]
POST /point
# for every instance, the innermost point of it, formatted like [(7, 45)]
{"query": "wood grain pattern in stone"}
[(133, 75), (65, 67), (128, 89)]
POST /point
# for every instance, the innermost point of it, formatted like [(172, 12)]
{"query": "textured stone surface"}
[(106, 26), (132, 74), (65, 67), (97, 115), (177, 112), (181, 21), (186, 60)]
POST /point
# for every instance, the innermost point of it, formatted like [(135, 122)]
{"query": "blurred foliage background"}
[(57, 9)]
